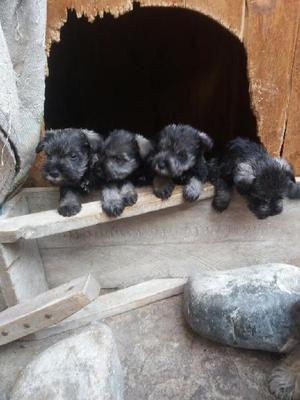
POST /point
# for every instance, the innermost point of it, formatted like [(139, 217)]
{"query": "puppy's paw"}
[(219, 204), (113, 208), (163, 188), (69, 209), (282, 384), (164, 193), (130, 199), (128, 194), (192, 190)]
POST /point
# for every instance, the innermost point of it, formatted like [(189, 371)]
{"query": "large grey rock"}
[(82, 367), (249, 307)]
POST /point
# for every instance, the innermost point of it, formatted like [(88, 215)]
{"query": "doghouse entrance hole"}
[(148, 68)]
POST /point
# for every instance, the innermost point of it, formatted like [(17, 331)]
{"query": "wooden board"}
[(270, 34), (173, 242), (25, 277), (22, 274), (46, 309), (118, 302), (227, 12), (47, 223), (291, 148), (57, 13)]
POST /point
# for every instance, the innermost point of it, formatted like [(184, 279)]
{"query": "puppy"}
[(179, 158), (264, 180), (284, 382), (121, 161), (67, 165)]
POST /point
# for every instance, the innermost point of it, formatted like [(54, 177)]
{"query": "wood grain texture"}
[(173, 243), (227, 12), (22, 274), (116, 303), (46, 309), (291, 148), (32, 226), (270, 34), (57, 13)]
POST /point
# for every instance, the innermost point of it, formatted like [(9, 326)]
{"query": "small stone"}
[(247, 307), (81, 367)]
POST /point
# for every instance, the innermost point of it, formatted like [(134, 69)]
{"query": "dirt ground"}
[(163, 360)]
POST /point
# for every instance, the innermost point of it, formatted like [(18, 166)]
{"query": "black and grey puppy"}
[(284, 382), (179, 158), (121, 162), (264, 180), (67, 165)]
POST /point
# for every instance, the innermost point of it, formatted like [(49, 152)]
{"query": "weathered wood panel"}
[(116, 303), (227, 12), (57, 13), (22, 274), (270, 34), (46, 309), (172, 243), (267, 27), (291, 149), (45, 223)]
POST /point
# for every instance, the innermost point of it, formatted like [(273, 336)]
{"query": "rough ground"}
[(164, 360)]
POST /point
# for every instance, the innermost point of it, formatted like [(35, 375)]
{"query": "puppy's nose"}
[(161, 164), (54, 174)]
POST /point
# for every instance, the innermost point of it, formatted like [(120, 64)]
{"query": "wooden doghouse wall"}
[(269, 31)]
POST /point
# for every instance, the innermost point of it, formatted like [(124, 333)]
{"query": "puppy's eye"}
[(119, 158), (73, 156), (182, 155)]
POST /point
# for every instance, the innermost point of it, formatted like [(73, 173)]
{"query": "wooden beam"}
[(116, 303), (37, 225), (47, 308), (22, 274)]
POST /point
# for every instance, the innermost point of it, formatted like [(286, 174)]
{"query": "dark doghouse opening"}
[(148, 68)]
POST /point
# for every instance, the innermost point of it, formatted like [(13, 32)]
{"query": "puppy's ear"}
[(144, 145), (286, 166), (94, 140), (205, 140), (244, 176), (40, 147)]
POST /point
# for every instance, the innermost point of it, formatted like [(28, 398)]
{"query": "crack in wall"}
[(286, 117)]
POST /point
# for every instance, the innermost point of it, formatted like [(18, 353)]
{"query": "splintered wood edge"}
[(47, 308), (116, 303), (46, 223)]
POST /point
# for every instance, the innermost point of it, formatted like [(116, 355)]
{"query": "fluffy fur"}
[(264, 180), (121, 162), (179, 158), (67, 165), (284, 382)]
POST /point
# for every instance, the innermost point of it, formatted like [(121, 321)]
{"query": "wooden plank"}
[(291, 146), (47, 309), (22, 274), (47, 223), (57, 13), (24, 277), (270, 33), (227, 12), (118, 302), (173, 243)]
